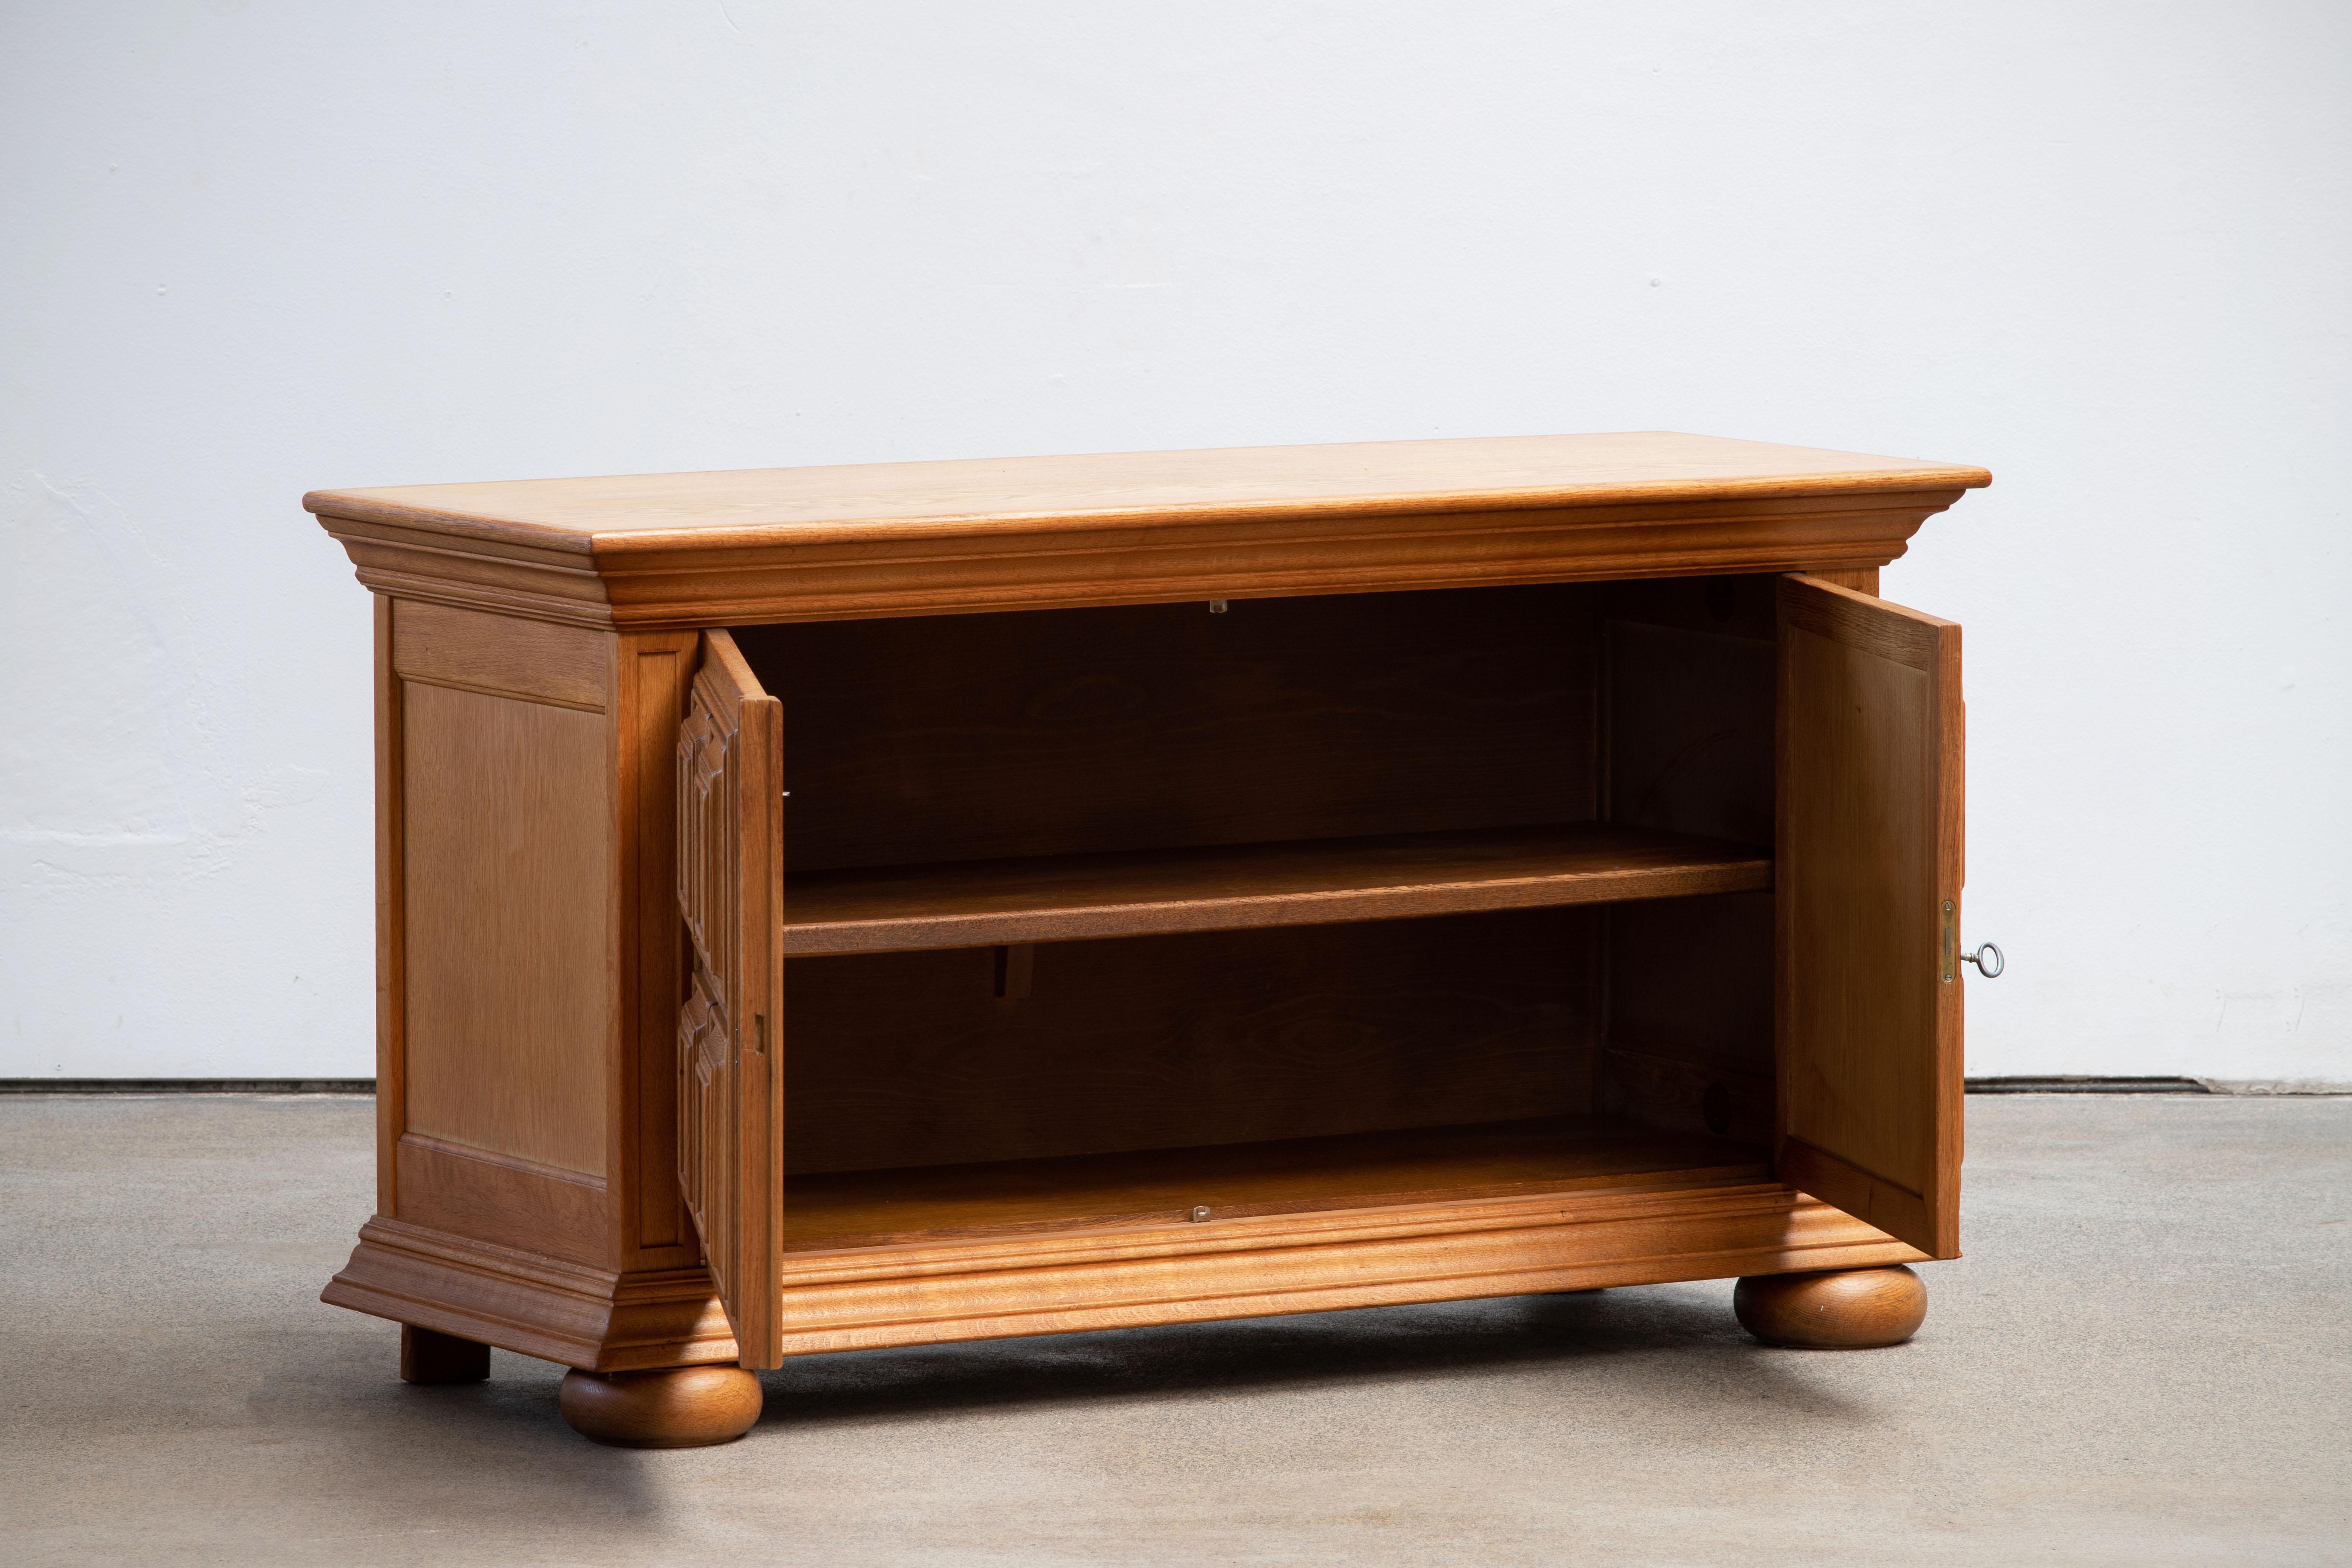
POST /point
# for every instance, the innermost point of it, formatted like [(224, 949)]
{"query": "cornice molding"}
[(682, 578)]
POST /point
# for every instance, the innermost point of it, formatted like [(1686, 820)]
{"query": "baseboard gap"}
[(2070, 1083), (309, 1086)]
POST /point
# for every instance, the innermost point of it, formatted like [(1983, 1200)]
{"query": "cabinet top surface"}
[(864, 500)]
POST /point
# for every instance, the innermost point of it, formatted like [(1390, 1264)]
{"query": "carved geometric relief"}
[(706, 1121), (730, 813), (706, 823)]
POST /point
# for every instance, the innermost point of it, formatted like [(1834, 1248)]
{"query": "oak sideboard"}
[(831, 908)]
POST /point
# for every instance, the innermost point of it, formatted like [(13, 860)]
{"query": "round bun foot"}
[(674, 1407), (1836, 1310)]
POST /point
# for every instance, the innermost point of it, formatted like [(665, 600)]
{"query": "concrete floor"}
[(2145, 1359)]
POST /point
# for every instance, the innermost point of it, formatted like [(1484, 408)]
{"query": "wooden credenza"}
[(831, 908)]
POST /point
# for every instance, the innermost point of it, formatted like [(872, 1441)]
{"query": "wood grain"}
[(1868, 1023), (1166, 1042), (1690, 745), (1127, 488), (1690, 1016), (1863, 1193), (1861, 829), (1436, 1164), (652, 672), (500, 654), (1232, 888), (675, 1408), (1414, 646), (1841, 1309), (683, 551), (508, 926), (1690, 731), (1076, 1280), (1071, 1281), (577, 1314), (653, 587), (501, 1199), (1683, 1096), (1692, 979), (1162, 726), (730, 1058)]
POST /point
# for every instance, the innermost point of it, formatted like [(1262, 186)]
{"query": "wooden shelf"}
[(980, 903), (1164, 1186)]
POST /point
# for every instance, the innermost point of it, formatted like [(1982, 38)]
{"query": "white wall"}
[(251, 249)]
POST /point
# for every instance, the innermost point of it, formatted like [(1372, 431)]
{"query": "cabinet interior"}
[(1109, 916)]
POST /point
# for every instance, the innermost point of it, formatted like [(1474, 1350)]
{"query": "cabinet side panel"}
[(507, 925), (391, 992), (502, 656), (505, 1201)]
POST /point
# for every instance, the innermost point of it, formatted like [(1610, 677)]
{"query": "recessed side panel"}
[(507, 925)]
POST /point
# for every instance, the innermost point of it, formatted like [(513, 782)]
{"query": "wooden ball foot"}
[(1835, 1309), (674, 1407)]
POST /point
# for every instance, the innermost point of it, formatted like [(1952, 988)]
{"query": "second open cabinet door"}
[(1868, 881), (729, 1048)]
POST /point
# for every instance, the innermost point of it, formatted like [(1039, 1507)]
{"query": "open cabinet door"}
[(1868, 881), (730, 826)]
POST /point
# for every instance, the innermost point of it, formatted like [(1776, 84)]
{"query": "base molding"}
[(595, 1320), (866, 1298)]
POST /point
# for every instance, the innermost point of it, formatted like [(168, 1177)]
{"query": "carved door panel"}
[(730, 825), (1868, 883)]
